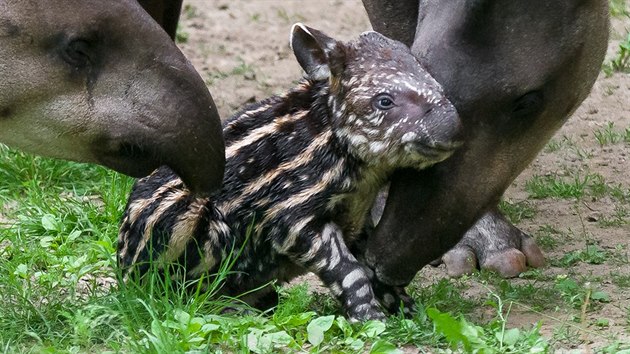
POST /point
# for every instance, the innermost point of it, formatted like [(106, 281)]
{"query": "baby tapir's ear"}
[(312, 49)]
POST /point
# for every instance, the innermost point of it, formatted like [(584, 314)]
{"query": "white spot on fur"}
[(377, 147), (409, 136), (352, 278), (358, 139), (364, 291)]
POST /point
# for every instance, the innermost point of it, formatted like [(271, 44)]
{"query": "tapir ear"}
[(313, 50)]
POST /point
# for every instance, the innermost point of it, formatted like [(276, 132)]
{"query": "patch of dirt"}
[(241, 50)]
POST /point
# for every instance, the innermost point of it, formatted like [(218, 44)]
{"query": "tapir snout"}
[(100, 81), (176, 125), (432, 127), (445, 126)]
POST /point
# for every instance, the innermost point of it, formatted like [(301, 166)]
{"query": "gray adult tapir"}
[(102, 82), (515, 71)]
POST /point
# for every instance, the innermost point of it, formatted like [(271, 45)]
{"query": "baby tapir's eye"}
[(383, 102)]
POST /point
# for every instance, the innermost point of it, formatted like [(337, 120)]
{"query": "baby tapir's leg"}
[(324, 253), (392, 298)]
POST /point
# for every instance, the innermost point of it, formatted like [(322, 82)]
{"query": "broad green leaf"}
[(21, 271), (74, 235), (181, 317), (384, 347), (209, 327), (344, 326), (600, 296), (46, 241), (373, 328), (50, 223), (317, 327), (281, 337), (195, 324), (449, 327), (297, 319), (355, 344), (256, 342), (171, 324), (510, 337)]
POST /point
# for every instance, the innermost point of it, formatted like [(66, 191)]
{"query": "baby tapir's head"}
[(381, 100)]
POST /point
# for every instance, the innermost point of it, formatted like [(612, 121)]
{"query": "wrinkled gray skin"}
[(101, 82), (515, 70)]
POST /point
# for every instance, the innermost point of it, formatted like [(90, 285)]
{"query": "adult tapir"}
[(100, 81), (515, 70)]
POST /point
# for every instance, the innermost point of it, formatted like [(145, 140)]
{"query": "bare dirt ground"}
[(241, 49)]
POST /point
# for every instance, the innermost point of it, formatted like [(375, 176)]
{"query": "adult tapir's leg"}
[(99, 81), (515, 71), (164, 12)]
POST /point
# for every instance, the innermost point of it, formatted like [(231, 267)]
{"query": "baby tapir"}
[(302, 172)]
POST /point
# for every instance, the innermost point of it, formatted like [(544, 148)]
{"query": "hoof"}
[(460, 261), (535, 257), (365, 312), (508, 263), (495, 244)]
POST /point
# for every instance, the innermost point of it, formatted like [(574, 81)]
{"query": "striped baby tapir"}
[(302, 171)]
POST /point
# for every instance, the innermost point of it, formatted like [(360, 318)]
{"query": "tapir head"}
[(100, 81), (384, 104)]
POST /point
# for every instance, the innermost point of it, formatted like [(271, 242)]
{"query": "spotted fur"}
[(302, 172)]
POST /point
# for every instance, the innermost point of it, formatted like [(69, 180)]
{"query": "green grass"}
[(517, 211), (576, 185), (60, 290), (190, 11), (553, 186), (591, 254), (621, 280), (557, 144), (548, 238), (608, 134), (621, 61), (181, 36), (619, 217), (618, 8)]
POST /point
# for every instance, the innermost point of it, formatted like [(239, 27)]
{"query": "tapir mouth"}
[(200, 170), (433, 151), (130, 159)]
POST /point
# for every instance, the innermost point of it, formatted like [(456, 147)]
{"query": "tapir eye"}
[(528, 104), (383, 102), (77, 53)]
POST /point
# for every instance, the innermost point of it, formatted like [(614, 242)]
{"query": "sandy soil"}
[(241, 50)]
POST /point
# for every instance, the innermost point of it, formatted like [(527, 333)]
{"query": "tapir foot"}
[(393, 299), (495, 244)]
